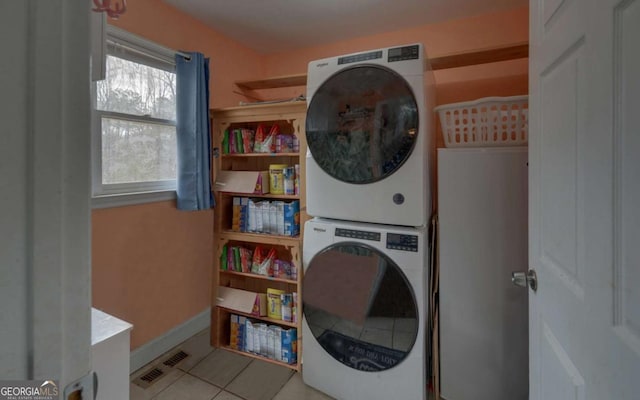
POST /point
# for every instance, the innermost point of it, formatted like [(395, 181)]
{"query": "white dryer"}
[(370, 135), (365, 307)]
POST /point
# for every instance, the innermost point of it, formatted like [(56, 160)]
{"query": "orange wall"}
[(152, 263), (441, 38)]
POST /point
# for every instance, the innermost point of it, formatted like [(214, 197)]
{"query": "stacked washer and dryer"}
[(365, 254)]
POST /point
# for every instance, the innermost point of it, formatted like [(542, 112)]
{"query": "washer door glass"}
[(360, 307), (362, 124)]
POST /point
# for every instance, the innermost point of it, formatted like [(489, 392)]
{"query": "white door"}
[(584, 199), (45, 287)]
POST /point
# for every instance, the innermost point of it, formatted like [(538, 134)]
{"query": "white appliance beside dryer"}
[(365, 310), (370, 137), (482, 211)]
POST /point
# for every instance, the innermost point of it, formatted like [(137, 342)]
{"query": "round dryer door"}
[(362, 124), (360, 307)]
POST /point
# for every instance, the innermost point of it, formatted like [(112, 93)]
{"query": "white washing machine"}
[(370, 134), (365, 306)]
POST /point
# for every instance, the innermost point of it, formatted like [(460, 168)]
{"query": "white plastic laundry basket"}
[(490, 121)]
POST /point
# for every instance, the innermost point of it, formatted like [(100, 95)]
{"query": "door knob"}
[(525, 279)]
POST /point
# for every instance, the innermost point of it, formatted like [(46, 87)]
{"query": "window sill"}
[(129, 199)]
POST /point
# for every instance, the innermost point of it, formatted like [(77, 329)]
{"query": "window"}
[(134, 146)]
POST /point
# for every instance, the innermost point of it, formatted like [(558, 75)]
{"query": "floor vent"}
[(175, 359), (149, 378)]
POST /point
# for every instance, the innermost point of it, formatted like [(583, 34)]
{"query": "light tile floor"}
[(215, 374)]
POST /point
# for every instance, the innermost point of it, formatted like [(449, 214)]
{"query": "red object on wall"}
[(119, 7)]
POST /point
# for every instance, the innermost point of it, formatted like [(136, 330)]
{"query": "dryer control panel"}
[(404, 53), (360, 57), (352, 233), (397, 241)]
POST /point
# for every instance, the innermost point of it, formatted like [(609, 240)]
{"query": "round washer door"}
[(360, 307), (362, 124)]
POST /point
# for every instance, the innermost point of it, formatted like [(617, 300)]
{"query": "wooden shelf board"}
[(244, 353), (275, 82), (254, 113), (260, 238), (243, 155), (256, 276), (266, 319), (262, 196), (483, 56)]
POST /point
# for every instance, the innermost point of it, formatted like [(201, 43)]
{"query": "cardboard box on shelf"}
[(235, 214), (292, 218), (242, 301), (252, 223), (266, 221), (289, 345), (237, 334), (273, 303), (244, 214), (276, 178), (248, 335), (280, 217), (249, 182), (273, 218), (263, 216), (259, 227)]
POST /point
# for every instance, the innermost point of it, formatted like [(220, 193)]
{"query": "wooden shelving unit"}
[(290, 117)]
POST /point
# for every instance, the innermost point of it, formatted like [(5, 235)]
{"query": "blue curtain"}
[(194, 141)]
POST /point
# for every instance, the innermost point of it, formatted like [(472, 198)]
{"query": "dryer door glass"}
[(362, 124), (360, 307)]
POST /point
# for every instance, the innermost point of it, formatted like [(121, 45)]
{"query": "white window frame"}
[(143, 51)]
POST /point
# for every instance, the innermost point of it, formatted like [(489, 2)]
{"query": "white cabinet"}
[(110, 352), (482, 211)]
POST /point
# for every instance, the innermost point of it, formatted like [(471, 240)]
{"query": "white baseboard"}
[(170, 339)]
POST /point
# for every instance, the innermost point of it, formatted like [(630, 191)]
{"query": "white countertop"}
[(104, 326)]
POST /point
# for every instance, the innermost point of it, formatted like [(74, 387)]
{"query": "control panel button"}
[(355, 234), (404, 53), (397, 241), (360, 57)]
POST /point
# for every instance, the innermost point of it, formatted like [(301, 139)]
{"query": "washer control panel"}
[(397, 241), (404, 53), (360, 57), (354, 234)]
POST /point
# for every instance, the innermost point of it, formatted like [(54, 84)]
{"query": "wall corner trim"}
[(170, 339)]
